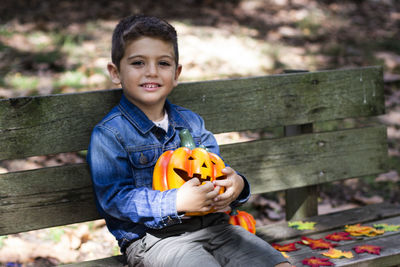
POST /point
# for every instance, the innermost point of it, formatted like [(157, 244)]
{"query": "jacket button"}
[(143, 159)]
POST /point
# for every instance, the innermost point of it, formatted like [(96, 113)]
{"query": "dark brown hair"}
[(133, 27)]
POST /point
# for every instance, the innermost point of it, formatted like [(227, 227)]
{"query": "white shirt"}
[(163, 124)]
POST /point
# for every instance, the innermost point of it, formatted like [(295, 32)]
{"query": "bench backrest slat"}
[(62, 123), (45, 197)]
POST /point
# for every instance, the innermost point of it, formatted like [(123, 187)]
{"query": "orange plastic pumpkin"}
[(175, 167), (244, 219)]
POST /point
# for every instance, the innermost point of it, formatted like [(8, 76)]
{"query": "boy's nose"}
[(151, 70)]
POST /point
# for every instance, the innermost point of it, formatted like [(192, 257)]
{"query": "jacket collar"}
[(140, 121)]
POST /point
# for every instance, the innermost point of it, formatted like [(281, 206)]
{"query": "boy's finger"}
[(227, 170), (212, 194), (206, 187), (194, 181), (224, 182), (226, 196)]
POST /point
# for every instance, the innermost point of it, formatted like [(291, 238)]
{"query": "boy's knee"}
[(283, 264)]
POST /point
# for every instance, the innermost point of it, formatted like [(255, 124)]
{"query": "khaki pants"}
[(219, 244)]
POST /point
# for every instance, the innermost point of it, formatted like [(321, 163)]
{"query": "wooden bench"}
[(299, 159)]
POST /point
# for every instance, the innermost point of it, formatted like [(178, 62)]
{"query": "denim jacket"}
[(123, 150)]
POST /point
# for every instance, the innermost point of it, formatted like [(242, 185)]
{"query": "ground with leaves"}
[(49, 47)]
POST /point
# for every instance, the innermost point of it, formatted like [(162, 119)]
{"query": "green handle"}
[(233, 212), (187, 139)]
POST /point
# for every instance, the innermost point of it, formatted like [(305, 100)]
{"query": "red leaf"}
[(316, 262), (338, 236), (286, 248), (368, 248), (316, 243)]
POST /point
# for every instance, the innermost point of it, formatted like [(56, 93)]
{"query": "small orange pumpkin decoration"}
[(244, 219), (175, 167)]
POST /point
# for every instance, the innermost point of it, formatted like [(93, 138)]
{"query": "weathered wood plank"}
[(61, 123), (63, 195), (330, 222), (285, 99), (32, 126), (285, 163), (43, 198)]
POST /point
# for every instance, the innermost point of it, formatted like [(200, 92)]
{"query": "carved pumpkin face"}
[(174, 168)]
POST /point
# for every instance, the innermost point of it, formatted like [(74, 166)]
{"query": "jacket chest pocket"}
[(143, 162)]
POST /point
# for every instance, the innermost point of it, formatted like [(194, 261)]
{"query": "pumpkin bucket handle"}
[(187, 139)]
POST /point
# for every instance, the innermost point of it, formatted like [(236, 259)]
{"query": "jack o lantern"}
[(243, 219), (175, 167)]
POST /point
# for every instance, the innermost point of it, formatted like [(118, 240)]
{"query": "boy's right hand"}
[(191, 197)]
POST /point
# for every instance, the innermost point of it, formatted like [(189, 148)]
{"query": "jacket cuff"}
[(169, 214)]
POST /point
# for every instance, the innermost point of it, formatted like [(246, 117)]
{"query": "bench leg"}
[(301, 202)]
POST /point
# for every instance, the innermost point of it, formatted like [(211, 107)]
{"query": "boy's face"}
[(147, 73)]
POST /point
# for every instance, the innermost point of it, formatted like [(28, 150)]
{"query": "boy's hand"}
[(193, 197), (233, 187)]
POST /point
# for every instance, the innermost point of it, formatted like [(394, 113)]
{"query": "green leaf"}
[(387, 227), (300, 225)]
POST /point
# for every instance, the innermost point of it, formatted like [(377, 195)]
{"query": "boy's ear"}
[(177, 73), (114, 73)]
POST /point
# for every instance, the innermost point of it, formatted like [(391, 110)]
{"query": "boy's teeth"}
[(150, 85)]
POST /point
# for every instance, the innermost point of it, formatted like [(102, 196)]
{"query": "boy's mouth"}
[(150, 86)]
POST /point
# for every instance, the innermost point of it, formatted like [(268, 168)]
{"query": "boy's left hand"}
[(233, 187)]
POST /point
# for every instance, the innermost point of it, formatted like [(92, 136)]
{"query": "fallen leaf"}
[(285, 255), (285, 248), (316, 262), (337, 254), (387, 228), (338, 236), (368, 248), (316, 243), (300, 225), (360, 230)]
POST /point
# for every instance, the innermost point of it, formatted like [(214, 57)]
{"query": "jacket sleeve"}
[(114, 186)]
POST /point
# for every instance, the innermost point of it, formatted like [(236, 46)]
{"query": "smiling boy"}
[(150, 225)]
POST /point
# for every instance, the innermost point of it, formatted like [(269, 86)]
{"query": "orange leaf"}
[(369, 249), (359, 230), (337, 254), (316, 262), (316, 243), (338, 236), (286, 248)]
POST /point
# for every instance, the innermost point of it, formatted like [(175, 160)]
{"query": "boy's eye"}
[(137, 63), (165, 63)]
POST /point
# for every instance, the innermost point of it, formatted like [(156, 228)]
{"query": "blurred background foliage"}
[(63, 46)]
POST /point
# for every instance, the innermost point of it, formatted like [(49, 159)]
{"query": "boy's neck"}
[(154, 113), (158, 118)]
